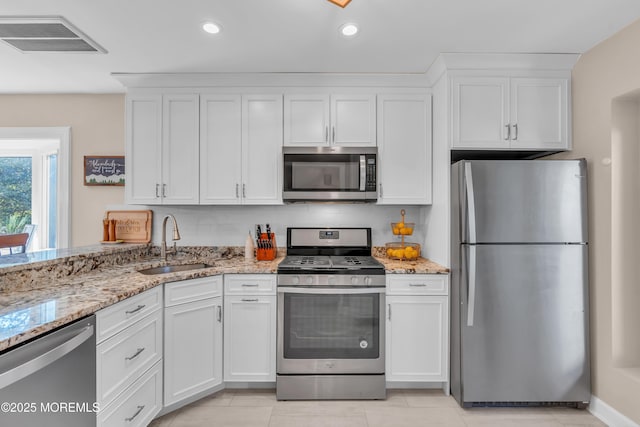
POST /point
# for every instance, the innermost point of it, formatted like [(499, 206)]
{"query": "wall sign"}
[(103, 170)]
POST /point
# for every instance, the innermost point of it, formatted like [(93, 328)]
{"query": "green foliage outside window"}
[(15, 193)]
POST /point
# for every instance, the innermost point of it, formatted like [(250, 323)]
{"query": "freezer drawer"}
[(524, 323)]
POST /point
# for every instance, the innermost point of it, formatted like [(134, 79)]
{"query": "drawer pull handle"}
[(250, 285), (137, 309), (140, 408), (137, 353), (418, 285), (250, 300)]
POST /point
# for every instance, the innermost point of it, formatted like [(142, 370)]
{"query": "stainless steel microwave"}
[(330, 174)]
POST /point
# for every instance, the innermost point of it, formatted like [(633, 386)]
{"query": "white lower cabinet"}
[(417, 329), (193, 338), (138, 405), (129, 361), (250, 328)]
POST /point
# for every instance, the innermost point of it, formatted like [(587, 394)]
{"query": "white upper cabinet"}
[(162, 149), (180, 150), (404, 149), (241, 149), (337, 119), (220, 149), (510, 113), (262, 149), (143, 159)]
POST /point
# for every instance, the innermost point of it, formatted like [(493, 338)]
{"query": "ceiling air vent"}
[(45, 34)]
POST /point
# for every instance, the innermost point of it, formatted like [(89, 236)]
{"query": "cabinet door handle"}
[(250, 300), (237, 190), (136, 354), (381, 190), (164, 190), (326, 134), (508, 132), (515, 128), (421, 285), (250, 285), (389, 311), (333, 134), (244, 191), (140, 408), (157, 190), (219, 315), (135, 310)]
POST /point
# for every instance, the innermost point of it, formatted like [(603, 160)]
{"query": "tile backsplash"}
[(229, 225)]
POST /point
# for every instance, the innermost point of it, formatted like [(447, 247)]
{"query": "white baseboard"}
[(608, 415)]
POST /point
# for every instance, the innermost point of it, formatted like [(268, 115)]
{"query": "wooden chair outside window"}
[(13, 243)]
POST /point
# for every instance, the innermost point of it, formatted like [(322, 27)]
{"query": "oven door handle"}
[(330, 291)]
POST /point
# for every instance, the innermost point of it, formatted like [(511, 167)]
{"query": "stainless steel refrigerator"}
[(519, 294)]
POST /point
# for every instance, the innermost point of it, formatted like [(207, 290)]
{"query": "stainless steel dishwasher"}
[(51, 381)]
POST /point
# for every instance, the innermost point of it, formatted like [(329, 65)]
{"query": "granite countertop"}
[(39, 296)]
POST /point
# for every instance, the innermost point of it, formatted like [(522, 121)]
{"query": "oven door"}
[(330, 330)]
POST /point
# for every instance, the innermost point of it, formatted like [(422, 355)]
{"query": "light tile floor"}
[(402, 408)]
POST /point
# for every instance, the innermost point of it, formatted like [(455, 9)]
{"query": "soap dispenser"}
[(248, 248)]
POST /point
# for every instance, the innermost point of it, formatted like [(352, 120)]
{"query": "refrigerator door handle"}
[(471, 204), (471, 289)]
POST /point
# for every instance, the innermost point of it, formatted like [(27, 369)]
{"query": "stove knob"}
[(309, 280), (332, 280), (368, 281), (295, 280), (354, 280)]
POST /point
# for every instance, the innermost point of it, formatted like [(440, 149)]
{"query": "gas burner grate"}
[(351, 260)]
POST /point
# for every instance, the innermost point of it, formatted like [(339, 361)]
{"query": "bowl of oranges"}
[(403, 251), (402, 228)]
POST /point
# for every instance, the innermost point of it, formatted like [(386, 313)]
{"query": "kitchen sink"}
[(173, 268)]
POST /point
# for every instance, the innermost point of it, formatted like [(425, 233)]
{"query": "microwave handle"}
[(363, 173)]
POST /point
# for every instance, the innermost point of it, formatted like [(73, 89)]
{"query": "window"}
[(34, 184)]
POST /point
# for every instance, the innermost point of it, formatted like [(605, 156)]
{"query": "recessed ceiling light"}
[(211, 27), (349, 30)]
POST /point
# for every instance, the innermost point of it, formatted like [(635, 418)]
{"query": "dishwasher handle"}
[(45, 358)]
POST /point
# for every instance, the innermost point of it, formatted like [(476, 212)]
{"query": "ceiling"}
[(396, 36)]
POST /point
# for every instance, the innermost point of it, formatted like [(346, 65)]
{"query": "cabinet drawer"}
[(138, 405), (250, 284), (417, 284), (192, 290), (121, 359), (112, 320)]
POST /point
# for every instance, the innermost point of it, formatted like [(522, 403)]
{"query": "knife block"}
[(266, 247)]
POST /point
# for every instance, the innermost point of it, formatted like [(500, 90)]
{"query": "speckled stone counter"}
[(48, 291), (418, 266), (39, 297)]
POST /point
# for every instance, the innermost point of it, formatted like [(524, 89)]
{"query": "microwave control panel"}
[(371, 173)]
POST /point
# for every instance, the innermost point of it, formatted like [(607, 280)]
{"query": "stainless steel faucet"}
[(176, 236)]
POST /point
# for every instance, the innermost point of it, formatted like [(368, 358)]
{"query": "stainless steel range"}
[(331, 301)]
